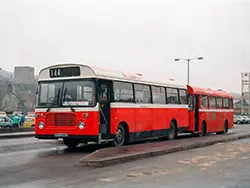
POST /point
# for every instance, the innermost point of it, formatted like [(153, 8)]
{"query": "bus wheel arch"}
[(122, 134), (172, 131), (203, 128), (225, 128)]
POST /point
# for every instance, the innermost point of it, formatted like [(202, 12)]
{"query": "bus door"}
[(196, 112), (104, 95)]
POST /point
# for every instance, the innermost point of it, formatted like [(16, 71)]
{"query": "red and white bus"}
[(84, 104)]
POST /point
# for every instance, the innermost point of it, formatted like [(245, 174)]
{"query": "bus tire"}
[(172, 131), (203, 129), (71, 143), (225, 130), (121, 136)]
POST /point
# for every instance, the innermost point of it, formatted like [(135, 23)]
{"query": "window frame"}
[(162, 91), (123, 101), (207, 99), (178, 96), (215, 105), (150, 93), (226, 99)]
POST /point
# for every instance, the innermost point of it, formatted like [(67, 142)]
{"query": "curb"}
[(92, 161), (15, 130), (8, 136)]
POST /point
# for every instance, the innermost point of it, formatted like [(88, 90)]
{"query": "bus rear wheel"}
[(172, 132), (71, 143)]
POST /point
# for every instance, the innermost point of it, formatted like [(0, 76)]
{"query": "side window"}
[(183, 96), (172, 96), (226, 103), (231, 103), (142, 93), (219, 102), (159, 95), (204, 101), (190, 102), (123, 92), (212, 102)]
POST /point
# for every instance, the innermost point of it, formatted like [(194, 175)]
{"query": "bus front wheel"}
[(120, 138), (71, 143)]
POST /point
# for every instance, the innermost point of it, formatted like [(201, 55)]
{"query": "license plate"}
[(61, 135)]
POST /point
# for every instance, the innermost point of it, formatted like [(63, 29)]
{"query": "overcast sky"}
[(142, 36)]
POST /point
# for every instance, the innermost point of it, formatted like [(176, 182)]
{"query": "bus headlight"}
[(81, 125), (41, 125)]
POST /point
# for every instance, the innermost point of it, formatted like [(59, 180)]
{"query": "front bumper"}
[(83, 138)]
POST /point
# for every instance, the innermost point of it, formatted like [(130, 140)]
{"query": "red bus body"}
[(144, 110), (215, 117)]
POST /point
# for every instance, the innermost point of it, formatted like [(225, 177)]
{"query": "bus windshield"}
[(66, 93)]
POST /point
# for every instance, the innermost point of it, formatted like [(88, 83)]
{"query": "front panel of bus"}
[(67, 108)]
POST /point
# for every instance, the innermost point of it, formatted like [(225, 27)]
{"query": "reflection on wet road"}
[(29, 162)]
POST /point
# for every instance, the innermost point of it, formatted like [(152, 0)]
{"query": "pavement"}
[(28, 162)]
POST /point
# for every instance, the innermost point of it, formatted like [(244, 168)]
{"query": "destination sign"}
[(64, 72)]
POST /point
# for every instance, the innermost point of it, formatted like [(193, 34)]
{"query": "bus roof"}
[(208, 91), (87, 71)]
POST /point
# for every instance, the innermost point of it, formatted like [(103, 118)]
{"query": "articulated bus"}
[(82, 104)]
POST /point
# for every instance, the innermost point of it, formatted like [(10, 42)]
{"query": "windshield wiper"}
[(71, 108), (56, 98)]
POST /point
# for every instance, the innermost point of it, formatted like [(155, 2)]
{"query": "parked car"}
[(29, 121), (239, 119), (5, 122), (246, 119)]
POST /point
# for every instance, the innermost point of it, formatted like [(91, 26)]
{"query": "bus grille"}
[(61, 119)]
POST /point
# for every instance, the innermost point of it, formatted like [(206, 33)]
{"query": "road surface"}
[(28, 162)]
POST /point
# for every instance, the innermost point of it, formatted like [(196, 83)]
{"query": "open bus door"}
[(104, 95)]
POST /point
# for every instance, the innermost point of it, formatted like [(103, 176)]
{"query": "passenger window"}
[(172, 96), (231, 103), (212, 102), (204, 101), (183, 96), (219, 102), (159, 95), (123, 92), (142, 93), (226, 104)]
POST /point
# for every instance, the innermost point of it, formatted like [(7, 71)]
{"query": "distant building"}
[(241, 107), (24, 75)]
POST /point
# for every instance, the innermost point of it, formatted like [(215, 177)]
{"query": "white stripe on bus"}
[(216, 110), (114, 105), (142, 105)]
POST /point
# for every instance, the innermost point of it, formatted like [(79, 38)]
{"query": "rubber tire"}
[(172, 132), (237, 122), (71, 143), (124, 140), (32, 125), (225, 130), (203, 130)]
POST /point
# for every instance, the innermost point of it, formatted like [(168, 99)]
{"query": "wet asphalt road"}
[(28, 162)]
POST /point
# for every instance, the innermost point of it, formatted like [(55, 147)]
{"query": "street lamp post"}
[(188, 62)]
